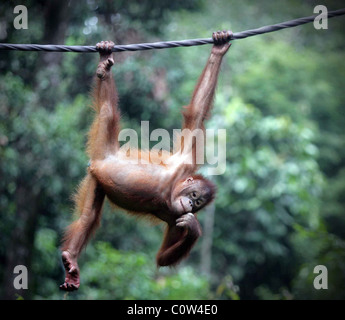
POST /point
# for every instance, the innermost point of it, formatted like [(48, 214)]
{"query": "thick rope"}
[(168, 44)]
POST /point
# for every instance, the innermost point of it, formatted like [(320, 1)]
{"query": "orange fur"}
[(160, 189)]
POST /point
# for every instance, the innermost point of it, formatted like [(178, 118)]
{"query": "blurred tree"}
[(272, 182)]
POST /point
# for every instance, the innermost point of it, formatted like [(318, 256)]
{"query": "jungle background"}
[(280, 206)]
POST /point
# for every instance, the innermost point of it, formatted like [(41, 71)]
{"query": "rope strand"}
[(168, 44)]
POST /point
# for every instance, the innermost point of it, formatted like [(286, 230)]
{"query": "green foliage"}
[(318, 247), (107, 273), (111, 274), (271, 182)]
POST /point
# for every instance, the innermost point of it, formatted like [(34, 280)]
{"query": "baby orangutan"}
[(170, 191)]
